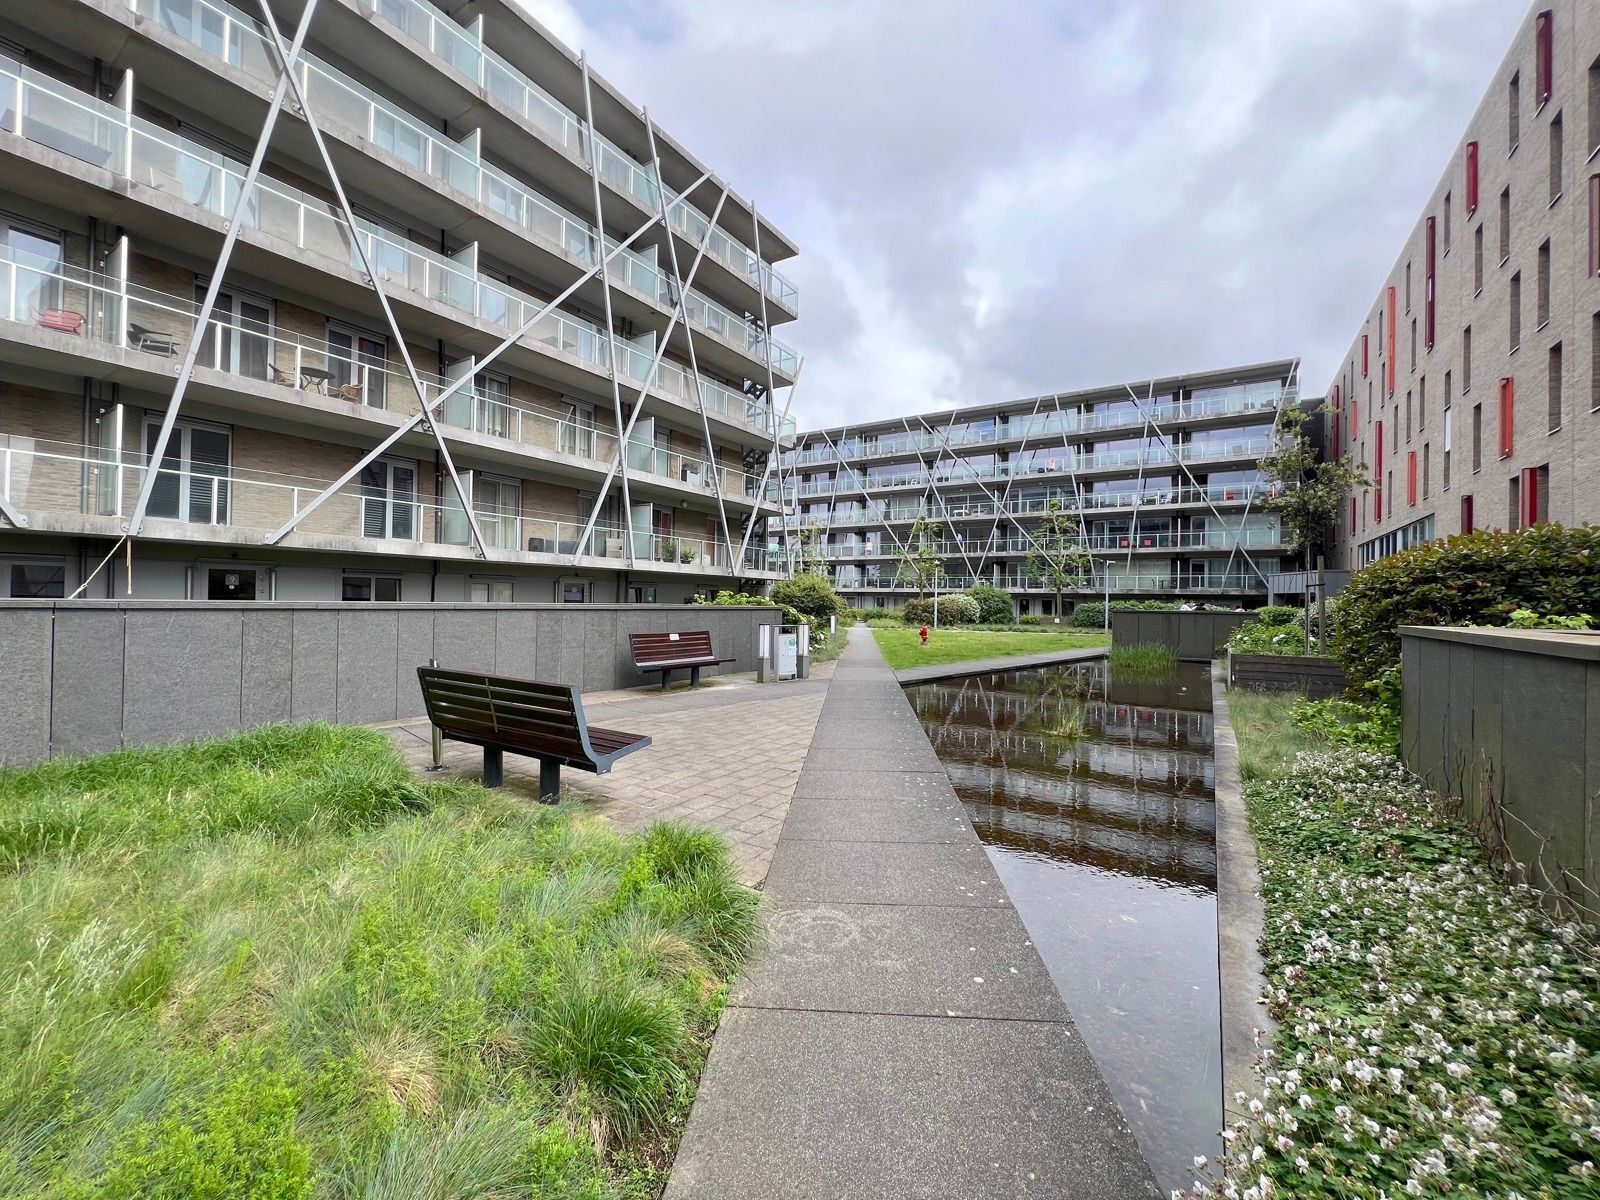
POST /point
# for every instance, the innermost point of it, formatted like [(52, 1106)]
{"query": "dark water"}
[(1093, 794)]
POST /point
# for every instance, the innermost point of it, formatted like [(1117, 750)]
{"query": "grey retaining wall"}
[(1311, 675), (1192, 636), (88, 676), (1512, 716)]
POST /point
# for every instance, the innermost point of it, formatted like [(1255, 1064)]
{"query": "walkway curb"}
[(985, 666), (900, 1037), (1240, 919)]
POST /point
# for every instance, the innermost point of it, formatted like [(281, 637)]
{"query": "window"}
[(384, 588), (1413, 343), (36, 252), (1447, 222), (1477, 437), (577, 429), (1557, 137), (1514, 311), (645, 593), (36, 580), (192, 481), (1466, 514), (357, 365), (1394, 344), (1594, 362), (1477, 260), (1594, 226), (1364, 363), (1472, 178), (489, 591), (1422, 403), (1378, 471), (239, 339), (1508, 412), (1449, 431), (1505, 226), (231, 583), (389, 499), (1594, 108), (1513, 113), (1425, 470), (1411, 478), (573, 591), (1466, 360), (493, 412), (1429, 292), (1554, 376), (1408, 416), (1543, 57), (1408, 285), (1514, 510), (1541, 301), (499, 511)]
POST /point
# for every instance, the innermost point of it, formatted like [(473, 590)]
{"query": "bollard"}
[(433, 731)]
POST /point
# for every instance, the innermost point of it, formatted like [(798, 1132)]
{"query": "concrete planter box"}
[(87, 676), (1509, 721), (1192, 636), (1311, 675)]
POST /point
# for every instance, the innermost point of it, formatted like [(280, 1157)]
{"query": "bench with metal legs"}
[(668, 652)]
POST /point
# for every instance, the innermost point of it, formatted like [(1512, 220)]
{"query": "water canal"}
[(1093, 795)]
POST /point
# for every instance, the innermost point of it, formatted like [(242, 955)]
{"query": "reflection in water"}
[(1093, 794)]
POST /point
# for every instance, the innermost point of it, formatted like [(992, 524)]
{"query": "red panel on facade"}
[(1472, 178), (1508, 407), (1528, 497), (1394, 346), (1466, 514), (1355, 405), (1544, 44), (1411, 478), (1427, 286)]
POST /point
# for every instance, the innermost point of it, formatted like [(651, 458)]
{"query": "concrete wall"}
[(90, 676), (1192, 636), (1513, 716), (1310, 675)]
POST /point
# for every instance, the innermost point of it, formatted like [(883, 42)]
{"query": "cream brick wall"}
[(1572, 450), (44, 430)]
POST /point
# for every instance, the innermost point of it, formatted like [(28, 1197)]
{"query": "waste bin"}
[(785, 653)]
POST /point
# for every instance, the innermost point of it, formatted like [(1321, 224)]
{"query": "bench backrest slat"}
[(519, 712), (666, 647)]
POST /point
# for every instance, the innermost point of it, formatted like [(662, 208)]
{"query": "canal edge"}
[(1240, 919)]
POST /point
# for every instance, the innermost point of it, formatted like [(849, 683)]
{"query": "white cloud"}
[(1007, 198)]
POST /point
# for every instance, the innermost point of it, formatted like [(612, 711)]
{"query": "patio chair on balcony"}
[(351, 391), (151, 341), (281, 377)]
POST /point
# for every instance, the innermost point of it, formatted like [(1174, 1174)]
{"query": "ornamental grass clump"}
[(1439, 1031)]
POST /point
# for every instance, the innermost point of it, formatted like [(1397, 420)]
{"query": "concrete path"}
[(984, 666), (725, 755), (900, 1036)]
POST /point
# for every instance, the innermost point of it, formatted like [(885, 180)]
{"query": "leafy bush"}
[(955, 608), (1526, 618), (1373, 724), (994, 604), (791, 615), (1030, 619), (1471, 579), (1091, 614), (810, 594), (1279, 614), (1255, 637)]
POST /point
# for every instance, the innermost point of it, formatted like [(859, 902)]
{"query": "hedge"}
[(1471, 579), (994, 605), (955, 608)]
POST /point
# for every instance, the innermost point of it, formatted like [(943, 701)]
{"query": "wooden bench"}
[(666, 652), (538, 720)]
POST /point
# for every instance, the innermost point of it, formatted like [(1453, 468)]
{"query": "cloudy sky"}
[(1006, 198)]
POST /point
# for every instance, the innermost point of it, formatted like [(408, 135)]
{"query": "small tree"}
[(809, 558), (921, 563), (1056, 554), (1307, 492)]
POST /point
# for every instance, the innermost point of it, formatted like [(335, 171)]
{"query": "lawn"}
[(277, 966), (902, 649)]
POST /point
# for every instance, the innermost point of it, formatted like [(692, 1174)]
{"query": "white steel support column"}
[(761, 486), (373, 279), (772, 390), (169, 419), (611, 334)]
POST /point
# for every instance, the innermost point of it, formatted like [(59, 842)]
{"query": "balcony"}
[(1223, 495)]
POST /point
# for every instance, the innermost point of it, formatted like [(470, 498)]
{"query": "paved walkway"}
[(900, 1037), (726, 755), (984, 666)]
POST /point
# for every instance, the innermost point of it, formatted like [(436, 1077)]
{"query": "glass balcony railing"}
[(1216, 494)]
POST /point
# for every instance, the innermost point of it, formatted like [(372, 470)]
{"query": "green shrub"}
[(1091, 614), (791, 615), (1279, 614), (1257, 637), (1373, 724), (1470, 579), (1030, 619), (1147, 659), (994, 605), (1526, 618), (810, 594), (955, 608)]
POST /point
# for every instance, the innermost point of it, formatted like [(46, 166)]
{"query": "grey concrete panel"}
[(935, 818), (314, 692), (1591, 741), (86, 690), (1485, 728), (873, 958), (182, 676), (516, 643), (413, 649), (1543, 701), (884, 873), (893, 744), (798, 1105), (268, 665), (25, 636), (463, 639), (368, 665), (1460, 748), (603, 659)]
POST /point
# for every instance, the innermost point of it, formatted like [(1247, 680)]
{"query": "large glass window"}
[(33, 263), (389, 499), (356, 365), (36, 580), (384, 588), (192, 480)]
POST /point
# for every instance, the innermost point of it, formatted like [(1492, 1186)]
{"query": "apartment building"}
[(568, 277), (1471, 392), (1159, 475)]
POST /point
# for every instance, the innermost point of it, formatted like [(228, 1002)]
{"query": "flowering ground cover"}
[(1439, 1031)]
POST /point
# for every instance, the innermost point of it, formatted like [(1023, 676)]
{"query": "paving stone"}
[(884, 873)]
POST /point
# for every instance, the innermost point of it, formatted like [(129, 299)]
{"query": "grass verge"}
[(276, 965), (903, 649), (1144, 659), (1268, 738), (1439, 1032)]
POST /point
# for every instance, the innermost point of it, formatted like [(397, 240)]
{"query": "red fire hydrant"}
[(924, 632)]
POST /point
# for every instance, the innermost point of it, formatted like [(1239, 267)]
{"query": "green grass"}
[(277, 966), (902, 649), (1268, 739), (1144, 659)]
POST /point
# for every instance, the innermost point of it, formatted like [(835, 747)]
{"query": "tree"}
[(809, 558), (1056, 554), (1307, 491), (921, 563)]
